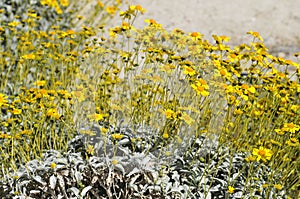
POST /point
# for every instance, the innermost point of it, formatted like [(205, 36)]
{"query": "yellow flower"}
[(292, 142), (224, 38), (201, 87), (40, 83), (252, 89), (262, 153), (245, 97), (153, 23), (200, 90), (117, 136), (295, 108), (97, 117), (189, 71), (279, 131), (250, 158), (238, 112), (64, 3), (14, 23), (53, 165), (52, 112), (223, 72), (278, 186), (3, 100), (140, 9), (90, 149), (195, 35), (5, 136), (58, 10), (291, 127), (230, 189), (168, 68), (257, 112), (114, 162), (111, 10), (29, 56), (165, 135), (79, 95), (185, 117), (101, 4), (265, 185), (16, 111), (104, 130), (169, 113), (26, 132), (256, 35)]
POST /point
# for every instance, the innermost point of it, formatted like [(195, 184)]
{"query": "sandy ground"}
[(278, 21)]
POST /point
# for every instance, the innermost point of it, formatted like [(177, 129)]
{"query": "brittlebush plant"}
[(39, 60), (175, 82)]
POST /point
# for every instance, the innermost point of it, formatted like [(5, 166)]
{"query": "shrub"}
[(213, 120)]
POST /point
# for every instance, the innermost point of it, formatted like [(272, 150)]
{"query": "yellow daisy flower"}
[(262, 153)]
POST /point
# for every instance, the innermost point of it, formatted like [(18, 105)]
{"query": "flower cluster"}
[(60, 80)]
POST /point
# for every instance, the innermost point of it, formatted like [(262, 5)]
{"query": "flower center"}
[(262, 152)]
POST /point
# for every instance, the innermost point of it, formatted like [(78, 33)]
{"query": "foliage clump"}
[(141, 112)]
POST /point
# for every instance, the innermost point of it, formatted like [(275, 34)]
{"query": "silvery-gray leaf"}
[(35, 191), (61, 166), (53, 181), (215, 188), (133, 179), (134, 171), (39, 180), (175, 176), (64, 172), (81, 167), (78, 176), (176, 188), (235, 175), (147, 160), (238, 194), (168, 186), (61, 180), (99, 165), (62, 161), (22, 183), (120, 168), (85, 190), (74, 190), (60, 196), (122, 151), (155, 188), (134, 186), (124, 141)]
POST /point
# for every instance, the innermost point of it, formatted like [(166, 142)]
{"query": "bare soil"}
[(277, 21)]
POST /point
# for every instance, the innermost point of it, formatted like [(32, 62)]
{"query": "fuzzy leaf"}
[(39, 180), (78, 176), (61, 181), (34, 191), (75, 191), (53, 181), (85, 190), (134, 171), (120, 168)]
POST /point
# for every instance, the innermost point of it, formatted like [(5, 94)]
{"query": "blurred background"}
[(277, 21)]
